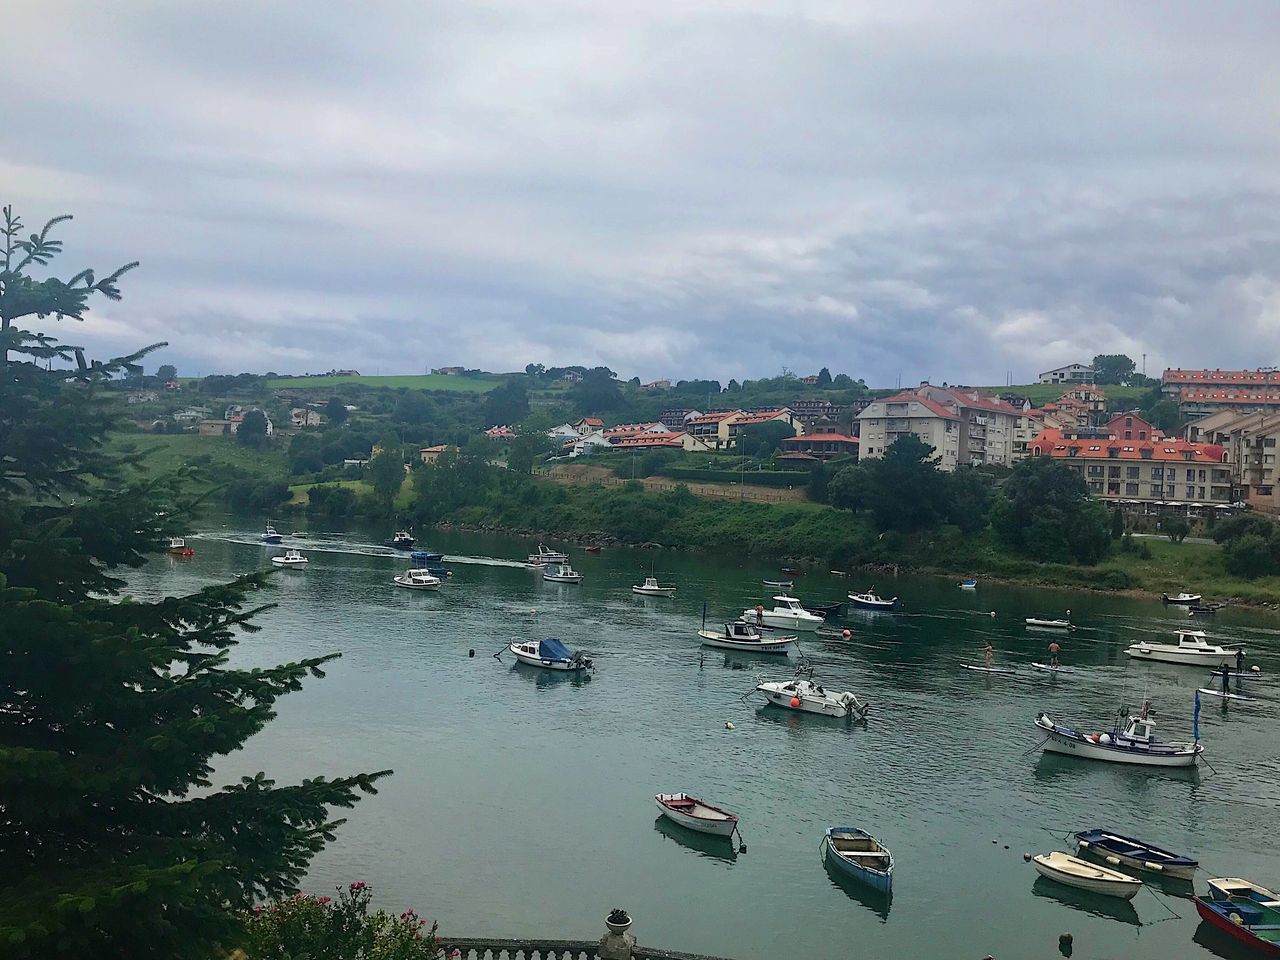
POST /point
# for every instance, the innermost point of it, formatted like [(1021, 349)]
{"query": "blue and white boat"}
[(271, 535), (550, 654), (968, 584), (1120, 850), (861, 856), (431, 562)]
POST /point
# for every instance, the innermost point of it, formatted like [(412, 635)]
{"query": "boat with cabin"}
[(1134, 743), (1121, 851), (290, 558), (1180, 598), (402, 540), (1043, 624), (1245, 911), (1084, 875), (417, 578), (550, 654), (652, 588), (178, 547), (545, 556), (968, 584), (430, 561), (871, 601), (271, 535), (861, 856), (561, 573), (1192, 648), (788, 613), (803, 693), (746, 637), (696, 814)]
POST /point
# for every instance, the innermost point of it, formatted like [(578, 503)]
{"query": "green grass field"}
[(1039, 393), (167, 452), (430, 381)]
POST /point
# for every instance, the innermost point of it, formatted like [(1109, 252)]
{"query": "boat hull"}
[(881, 880), (713, 828), (1058, 742), (1124, 889), (558, 579), (863, 604), (654, 591), (1136, 855), (1243, 934), (289, 563), (1048, 624), (781, 698), (1191, 658), (405, 585), (782, 645), (272, 538), (565, 666)]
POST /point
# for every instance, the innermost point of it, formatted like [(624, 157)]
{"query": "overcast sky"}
[(910, 190)]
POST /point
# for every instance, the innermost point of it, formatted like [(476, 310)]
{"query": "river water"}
[(522, 802)]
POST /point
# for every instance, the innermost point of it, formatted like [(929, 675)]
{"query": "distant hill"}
[(429, 381)]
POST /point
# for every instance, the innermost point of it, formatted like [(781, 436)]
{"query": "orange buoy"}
[(795, 701)]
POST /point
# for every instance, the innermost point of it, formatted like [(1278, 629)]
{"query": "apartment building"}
[(1202, 401), (1174, 381), (988, 425), (1251, 443), (886, 419)]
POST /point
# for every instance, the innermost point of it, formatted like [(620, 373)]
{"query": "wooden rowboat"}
[(1119, 850), (1078, 873), (695, 814), (861, 856), (1245, 911)]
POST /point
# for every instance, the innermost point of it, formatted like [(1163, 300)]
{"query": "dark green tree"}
[(1045, 513), (1112, 368), (386, 473), (847, 488), (1117, 524), (1163, 415), (336, 411), (166, 371), (526, 450), (968, 499), (114, 840), (818, 480), (760, 440), (824, 378), (1250, 556), (1176, 529), (597, 393), (904, 490), (253, 429), (507, 403)]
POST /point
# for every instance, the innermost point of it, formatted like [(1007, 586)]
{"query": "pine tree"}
[(113, 840)]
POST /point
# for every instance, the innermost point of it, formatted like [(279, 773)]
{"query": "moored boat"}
[(545, 556), (550, 654), (290, 558), (1244, 910), (1134, 744), (696, 814), (870, 601), (968, 584), (1192, 648), (562, 573), (178, 547), (417, 578), (1083, 875), (779, 584), (594, 548), (1044, 624), (746, 637), (861, 856), (804, 694), (271, 535), (787, 613), (402, 540), (1120, 850), (1180, 598), (652, 588)]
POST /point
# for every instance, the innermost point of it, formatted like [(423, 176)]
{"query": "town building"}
[(1131, 426), (566, 431), (888, 418), (675, 418), (302, 417), (706, 427), (1202, 401), (1071, 373), (731, 427), (1250, 440), (1174, 381), (811, 411), (659, 441), (502, 433), (810, 381), (987, 424), (218, 428), (588, 425), (822, 446), (433, 454), (657, 386), (142, 396), (450, 371)]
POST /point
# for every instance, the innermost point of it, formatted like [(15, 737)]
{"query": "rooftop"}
[(1051, 442)]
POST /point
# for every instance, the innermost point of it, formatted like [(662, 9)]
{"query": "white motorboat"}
[(178, 547), (545, 556), (1182, 598), (746, 636), (787, 613), (562, 573), (1192, 648), (697, 814), (804, 694), (1049, 624), (550, 654), (401, 540), (1134, 744), (271, 535), (1074, 872), (870, 601), (417, 578), (290, 558), (652, 588)]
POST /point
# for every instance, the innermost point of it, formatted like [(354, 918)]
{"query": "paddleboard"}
[(1045, 668), (1003, 670), (1246, 675), (1227, 696)]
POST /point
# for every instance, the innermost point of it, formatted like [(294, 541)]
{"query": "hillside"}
[(430, 381)]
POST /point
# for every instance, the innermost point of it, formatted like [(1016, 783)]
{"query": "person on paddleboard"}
[(987, 653), (1053, 653)]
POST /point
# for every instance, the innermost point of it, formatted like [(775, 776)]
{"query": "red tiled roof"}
[(712, 417), (823, 437), (984, 402), (765, 417), (1206, 376), (1051, 443), (931, 405), (649, 440), (629, 428), (592, 421)]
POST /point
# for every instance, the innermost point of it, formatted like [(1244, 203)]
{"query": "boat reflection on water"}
[(703, 844), (1053, 766), (545, 679), (797, 720), (1222, 945), (1094, 904), (875, 901), (740, 659)]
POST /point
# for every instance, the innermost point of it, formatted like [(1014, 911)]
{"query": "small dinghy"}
[(695, 814), (746, 637), (561, 573), (417, 578), (178, 548), (1181, 598), (870, 601), (271, 535), (802, 693), (290, 558), (968, 584), (652, 588), (594, 548), (861, 856), (550, 654), (1245, 911), (1044, 624), (779, 584), (1083, 875), (1119, 850), (1134, 744)]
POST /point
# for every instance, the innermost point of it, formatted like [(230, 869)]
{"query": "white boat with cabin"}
[(290, 558), (747, 637), (1049, 624), (545, 556), (271, 534), (652, 588), (696, 814), (562, 573), (1192, 648), (1074, 872), (417, 578), (804, 694), (550, 654), (787, 613), (870, 601), (1134, 744), (1181, 598)]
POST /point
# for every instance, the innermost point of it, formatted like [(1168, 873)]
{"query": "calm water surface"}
[(522, 802)]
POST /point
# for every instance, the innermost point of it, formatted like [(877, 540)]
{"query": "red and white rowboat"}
[(696, 815)]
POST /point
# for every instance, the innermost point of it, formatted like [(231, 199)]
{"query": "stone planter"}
[(617, 927)]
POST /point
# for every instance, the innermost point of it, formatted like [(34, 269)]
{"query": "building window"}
[(1095, 486), (1157, 489), (1113, 452), (1157, 473), (1131, 473), (1130, 489), (1146, 454), (1263, 491), (1191, 475), (1113, 473), (1202, 476), (1073, 451), (1142, 434), (1128, 421), (1191, 493)]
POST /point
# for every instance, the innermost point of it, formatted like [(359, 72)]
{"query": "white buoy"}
[(728, 725)]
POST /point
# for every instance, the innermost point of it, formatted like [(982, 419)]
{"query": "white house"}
[(1071, 373), (565, 431), (584, 446)]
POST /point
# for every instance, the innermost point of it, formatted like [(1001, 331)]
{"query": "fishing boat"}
[(1119, 850), (271, 535), (545, 556), (779, 584), (561, 573), (1135, 743), (1049, 624), (696, 814), (652, 588), (825, 609), (787, 613), (402, 540), (1192, 648), (1245, 911), (968, 584), (417, 578), (861, 856), (803, 694), (178, 548), (869, 601), (550, 654), (746, 636), (1083, 875), (1204, 609), (290, 558), (1180, 598)]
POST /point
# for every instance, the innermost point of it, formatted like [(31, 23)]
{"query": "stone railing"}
[(617, 944)]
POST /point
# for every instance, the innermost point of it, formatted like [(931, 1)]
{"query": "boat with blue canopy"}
[(550, 654)]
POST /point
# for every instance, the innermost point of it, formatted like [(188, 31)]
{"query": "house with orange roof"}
[(988, 425), (822, 446), (588, 425), (659, 441), (706, 427), (730, 428)]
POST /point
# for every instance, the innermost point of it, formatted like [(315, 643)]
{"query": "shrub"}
[(341, 928)]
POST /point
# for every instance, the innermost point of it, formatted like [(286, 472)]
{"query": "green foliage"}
[(166, 371), (1112, 368), (527, 449), (1163, 415), (1251, 545), (904, 490), (968, 499), (115, 841), (1176, 529), (847, 488), (1117, 524), (818, 480), (824, 378), (386, 473), (439, 382), (1045, 513), (598, 392), (757, 478), (507, 404), (253, 429), (760, 440), (336, 928), (336, 412)]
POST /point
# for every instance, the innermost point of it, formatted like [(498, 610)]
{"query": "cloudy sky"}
[(900, 189)]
